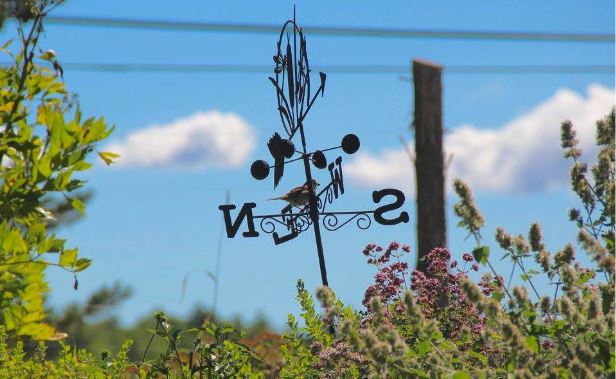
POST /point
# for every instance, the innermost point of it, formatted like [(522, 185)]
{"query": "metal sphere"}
[(318, 159), (350, 143), (259, 169)]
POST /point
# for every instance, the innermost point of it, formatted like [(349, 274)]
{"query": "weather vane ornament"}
[(306, 207)]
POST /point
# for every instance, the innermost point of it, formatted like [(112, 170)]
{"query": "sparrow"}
[(298, 196)]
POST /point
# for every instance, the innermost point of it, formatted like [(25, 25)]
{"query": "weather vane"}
[(306, 207)]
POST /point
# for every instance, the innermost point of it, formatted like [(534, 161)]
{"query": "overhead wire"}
[(329, 31), (338, 69), (198, 26)]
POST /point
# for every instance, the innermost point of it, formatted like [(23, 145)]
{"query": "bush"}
[(440, 323), (43, 144), (71, 363)]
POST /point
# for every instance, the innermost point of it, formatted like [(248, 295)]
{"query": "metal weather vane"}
[(307, 207)]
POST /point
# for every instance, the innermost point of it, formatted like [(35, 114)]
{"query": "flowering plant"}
[(439, 322)]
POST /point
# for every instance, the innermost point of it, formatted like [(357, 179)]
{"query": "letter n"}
[(245, 213)]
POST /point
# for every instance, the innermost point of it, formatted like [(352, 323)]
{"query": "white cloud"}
[(202, 140), (522, 155)]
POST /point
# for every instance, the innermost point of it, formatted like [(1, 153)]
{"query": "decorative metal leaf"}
[(284, 113), (290, 80), (280, 94), (323, 77)]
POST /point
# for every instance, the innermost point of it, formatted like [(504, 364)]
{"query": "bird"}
[(275, 146), (298, 196)]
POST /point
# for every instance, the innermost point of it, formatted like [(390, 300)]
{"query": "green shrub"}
[(218, 352), (439, 323), (71, 363), (43, 144)]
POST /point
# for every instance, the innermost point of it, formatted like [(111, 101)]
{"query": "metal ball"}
[(259, 169), (318, 159), (288, 148), (350, 143)]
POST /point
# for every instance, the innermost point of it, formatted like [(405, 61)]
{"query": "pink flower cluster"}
[(441, 297), (467, 258), (390, 278), (335, 360), (435, 286), (488, 284), (437, 290)]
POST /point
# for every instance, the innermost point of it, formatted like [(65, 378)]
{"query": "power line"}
[(338, 69), (196, 26)]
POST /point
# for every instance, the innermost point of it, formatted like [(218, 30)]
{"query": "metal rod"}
[(308, 214), (314, 212)]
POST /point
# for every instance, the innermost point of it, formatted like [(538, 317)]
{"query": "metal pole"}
[(314, 212)]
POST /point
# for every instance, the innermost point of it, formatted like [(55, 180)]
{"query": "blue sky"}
[(153, 224)]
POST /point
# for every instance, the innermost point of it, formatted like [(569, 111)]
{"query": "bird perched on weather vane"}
[(298, 196)]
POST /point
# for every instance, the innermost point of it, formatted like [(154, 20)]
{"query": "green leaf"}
[(461, 375), (37, 330), (481, 254), (78, 205), (44, 166), (62, 179), (482, 358), (15, 243), (6, 45), (226, 329), (48, 55), (68, 257), (81, 165), (533, 343), (108, 157), (584, 277), (423, 347), (526, 277), (82, 264)]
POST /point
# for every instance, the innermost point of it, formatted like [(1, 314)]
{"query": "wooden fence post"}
[(429, 165)]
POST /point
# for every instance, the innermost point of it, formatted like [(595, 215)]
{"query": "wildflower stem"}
[(403, 274), (511, 276), (496, 275), (556, 292), (530, 281), (150, 342)]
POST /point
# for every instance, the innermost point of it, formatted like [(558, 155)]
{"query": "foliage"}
[(43, 144), (311, 349), (430, 323), (217, 352), (71, 363), (63, 211), (92, 325), (440, 323)]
